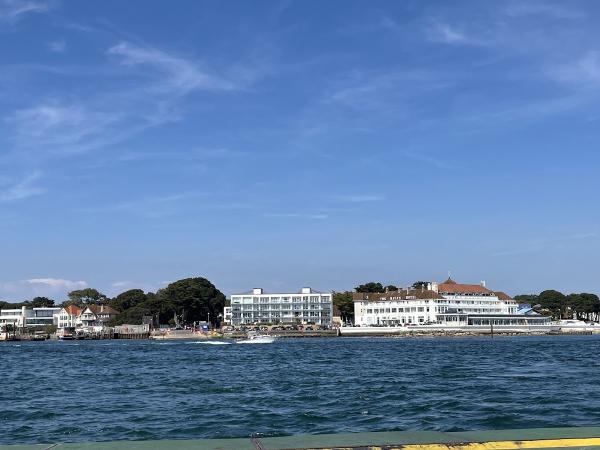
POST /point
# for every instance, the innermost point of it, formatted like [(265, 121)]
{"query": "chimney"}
[(257, 291), (483, 283), (306, 290)]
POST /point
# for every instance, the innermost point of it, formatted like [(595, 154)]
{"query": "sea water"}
[(111, 390)]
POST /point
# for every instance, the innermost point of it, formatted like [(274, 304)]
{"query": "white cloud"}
[(296, 216), (585, 70), (12, 11), (61, 126), (56, 283), (446, 34), (530, 8), (55, 288), (21, 190), (149, 207), (57, 46), (181, 75), (58, 127), (359, 198), (430, 160)]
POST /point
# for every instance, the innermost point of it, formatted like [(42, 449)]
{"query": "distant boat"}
[(255, 338)]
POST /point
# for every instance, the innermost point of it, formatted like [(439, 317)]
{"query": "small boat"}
[(37, 337), (254, 338), (66, 337)]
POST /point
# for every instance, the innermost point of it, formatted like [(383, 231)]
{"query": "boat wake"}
[(212, 343)]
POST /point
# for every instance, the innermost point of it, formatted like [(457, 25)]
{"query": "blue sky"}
[(283, 144)]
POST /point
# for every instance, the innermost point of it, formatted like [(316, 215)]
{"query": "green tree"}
[(419, 285), (370, 287), (583, 306), (87, 296), (193, 299), (41, 302), (532, 299), (391, 288), (133, 316), (553, 301), (128, 299), (345, 303)]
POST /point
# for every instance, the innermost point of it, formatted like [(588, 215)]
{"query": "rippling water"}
[(111, 390)]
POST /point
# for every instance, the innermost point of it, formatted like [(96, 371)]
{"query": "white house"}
[(68, 317), (305, 307)]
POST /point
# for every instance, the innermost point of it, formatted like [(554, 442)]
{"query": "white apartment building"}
[(34, 318), (448, 303), (258, 307)]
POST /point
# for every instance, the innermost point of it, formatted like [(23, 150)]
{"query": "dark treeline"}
[(583, 306), (190, 300)]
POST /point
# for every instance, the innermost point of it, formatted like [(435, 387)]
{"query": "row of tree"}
[(189, 300), (582, 306)]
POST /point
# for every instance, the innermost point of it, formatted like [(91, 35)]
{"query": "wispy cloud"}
[(180, 74), (553, 10), (430, 160), (56, 283), (20, 190), (296, 216), (446, 34), (194, 154), (47, 287), (585, 70), (12, 11), (149, 207), (67, 126), (58, 127), (358, 198), (57, 46)]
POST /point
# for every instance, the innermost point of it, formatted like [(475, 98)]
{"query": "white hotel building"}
[(447, 304), (258, 307)]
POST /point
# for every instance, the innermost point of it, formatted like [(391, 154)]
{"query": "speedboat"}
[(255, 338)]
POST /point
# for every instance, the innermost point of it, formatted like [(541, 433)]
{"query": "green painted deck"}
[(585, 437)]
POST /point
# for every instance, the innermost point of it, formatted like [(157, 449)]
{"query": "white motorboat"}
[(255, 338)]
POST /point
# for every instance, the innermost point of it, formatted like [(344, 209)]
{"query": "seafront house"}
[(42, 317), (68, 317), (259, 307), (447, 304), (37, 318), (227, 313), (97, 315)]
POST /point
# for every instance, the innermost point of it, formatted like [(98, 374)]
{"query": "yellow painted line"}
[(491, 445), (507, 445)]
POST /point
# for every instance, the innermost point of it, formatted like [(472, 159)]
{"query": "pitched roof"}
[(503, 295), (452, 287), (73, 310), (103, 309), (402, 294)]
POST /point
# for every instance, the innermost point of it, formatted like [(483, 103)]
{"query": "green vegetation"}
[(88, 296), (583, 306), (190, 300), (344, 302), (370, 287)]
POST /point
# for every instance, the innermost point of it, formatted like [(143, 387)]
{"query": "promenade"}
[(540, 438)]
